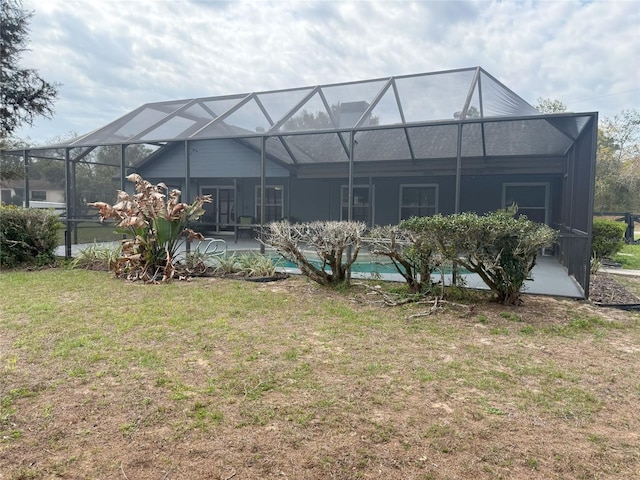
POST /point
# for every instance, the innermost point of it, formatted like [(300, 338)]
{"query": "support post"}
[(263, 144), (352, 144), (74, 205), (67, 188), (25, 158), (351, 159), (454, 266), (187, 183), (458, 168), (187, 173), (123, 165), (591, 186)]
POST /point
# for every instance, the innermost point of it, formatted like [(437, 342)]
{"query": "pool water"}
[(366, 266)]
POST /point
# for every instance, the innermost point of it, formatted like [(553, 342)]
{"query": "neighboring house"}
[(40, 192), (440, 142)]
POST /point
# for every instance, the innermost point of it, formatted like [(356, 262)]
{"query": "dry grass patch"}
[(105, 379)]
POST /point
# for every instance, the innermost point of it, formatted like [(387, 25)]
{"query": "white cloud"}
[(111, 56)]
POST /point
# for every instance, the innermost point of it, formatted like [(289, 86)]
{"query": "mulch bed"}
[(605, 289)]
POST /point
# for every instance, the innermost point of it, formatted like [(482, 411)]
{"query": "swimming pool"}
[(366, 265)]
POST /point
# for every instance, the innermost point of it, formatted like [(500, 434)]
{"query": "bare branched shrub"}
[(412, 254), (336, 244), (156, 222)]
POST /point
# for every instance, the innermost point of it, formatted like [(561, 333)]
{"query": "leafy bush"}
[(412, 255), (249, 264), (499, 248), (256, 265), (27, 235), (227, 264), (155, 225), (608, 237), (97, 257), (331, 241)]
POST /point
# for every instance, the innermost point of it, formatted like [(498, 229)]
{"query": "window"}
[(418, 201), (532, 199), (273, 210), (39, 195), (6, 196), (361, 205)]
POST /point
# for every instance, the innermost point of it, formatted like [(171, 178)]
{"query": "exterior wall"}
[(228, 163), (220, 158), (319, 199), (483, 193), (55, 196)]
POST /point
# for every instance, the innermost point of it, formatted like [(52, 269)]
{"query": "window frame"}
[(435, 186), (547, 187), (344, 201), (258, 200), (32, 199)]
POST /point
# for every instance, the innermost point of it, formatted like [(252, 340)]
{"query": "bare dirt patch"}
[(291, 380)]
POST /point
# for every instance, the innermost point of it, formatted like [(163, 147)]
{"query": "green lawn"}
[(213, 378), (629, 257), (92, 232)]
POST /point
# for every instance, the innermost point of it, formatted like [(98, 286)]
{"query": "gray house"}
[(378, 150)]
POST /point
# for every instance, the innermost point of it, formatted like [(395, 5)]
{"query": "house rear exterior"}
[(377, 151)]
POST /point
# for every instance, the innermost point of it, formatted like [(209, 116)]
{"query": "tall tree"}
[(24, 95), (547, 105), (11, 167), (618, 163)]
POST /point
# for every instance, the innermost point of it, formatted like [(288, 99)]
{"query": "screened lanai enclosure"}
[(377, 151)]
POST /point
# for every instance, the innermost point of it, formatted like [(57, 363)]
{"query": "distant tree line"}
[(617, 159)]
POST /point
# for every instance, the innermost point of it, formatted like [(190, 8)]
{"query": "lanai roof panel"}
[(421, 108)]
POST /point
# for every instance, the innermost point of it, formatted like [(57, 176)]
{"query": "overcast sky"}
[(111, 56)]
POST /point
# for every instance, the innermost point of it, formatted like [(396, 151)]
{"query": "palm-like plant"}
[(155, 222)]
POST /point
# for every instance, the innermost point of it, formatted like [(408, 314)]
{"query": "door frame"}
[(216, 202)]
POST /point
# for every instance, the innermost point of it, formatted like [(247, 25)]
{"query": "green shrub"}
[(256, 265), (97, 257), (608, 237), (27, 236), (250, 264), (501, 249)]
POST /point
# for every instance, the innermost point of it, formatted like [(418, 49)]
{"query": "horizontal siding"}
[(219, 159)]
